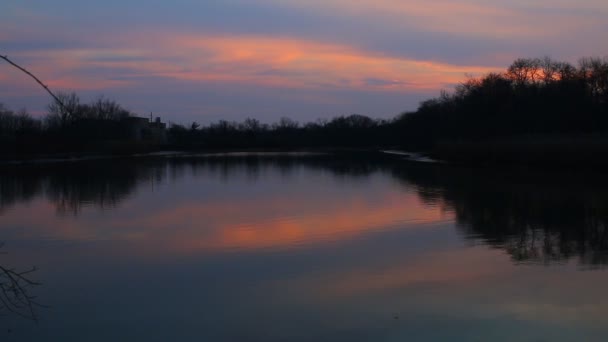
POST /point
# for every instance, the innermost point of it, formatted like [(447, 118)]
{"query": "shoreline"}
[(490, 155), (185, 153)]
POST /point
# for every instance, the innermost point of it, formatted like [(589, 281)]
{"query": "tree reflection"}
[(16, 188), (104, 184), (534, 216), (72, 186)]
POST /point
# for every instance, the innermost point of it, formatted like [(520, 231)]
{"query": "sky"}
[(203, 61)]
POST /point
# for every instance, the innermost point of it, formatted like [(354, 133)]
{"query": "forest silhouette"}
[(537, 111)]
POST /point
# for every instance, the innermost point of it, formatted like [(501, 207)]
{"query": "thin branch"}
[(37, 80), (14, 296)]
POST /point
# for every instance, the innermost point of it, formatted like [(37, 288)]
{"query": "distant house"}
[(142, 129)]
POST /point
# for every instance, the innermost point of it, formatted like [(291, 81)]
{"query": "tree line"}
[(71, 126), (352, 131), (535, 99)]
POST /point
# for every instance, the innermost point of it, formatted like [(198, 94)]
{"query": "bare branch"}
[(14, 292), (37, 80)]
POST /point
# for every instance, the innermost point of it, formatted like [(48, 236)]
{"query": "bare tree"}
[(525, 70), (595, 73), (14, 292), (66, 111), (105, 109)]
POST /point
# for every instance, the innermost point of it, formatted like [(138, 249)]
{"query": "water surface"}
[(304, 248)]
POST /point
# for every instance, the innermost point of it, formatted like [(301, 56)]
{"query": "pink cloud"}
[(255, 60)]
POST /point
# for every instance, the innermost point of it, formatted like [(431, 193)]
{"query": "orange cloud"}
[(255, 60), (303, 63)]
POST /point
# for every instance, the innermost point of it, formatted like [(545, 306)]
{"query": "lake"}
[(275, 247)]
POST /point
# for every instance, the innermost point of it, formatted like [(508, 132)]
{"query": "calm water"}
[(303, 249)]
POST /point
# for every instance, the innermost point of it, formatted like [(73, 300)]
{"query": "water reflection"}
[(316, 248), (533, 216), (72, 186), (104, 184)]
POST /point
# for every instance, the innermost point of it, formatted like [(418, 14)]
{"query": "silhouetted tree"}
[(533, 98), (68, 112), (105, 109), (15, 296)]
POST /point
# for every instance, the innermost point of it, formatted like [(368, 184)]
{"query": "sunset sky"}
[(197, 60)]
